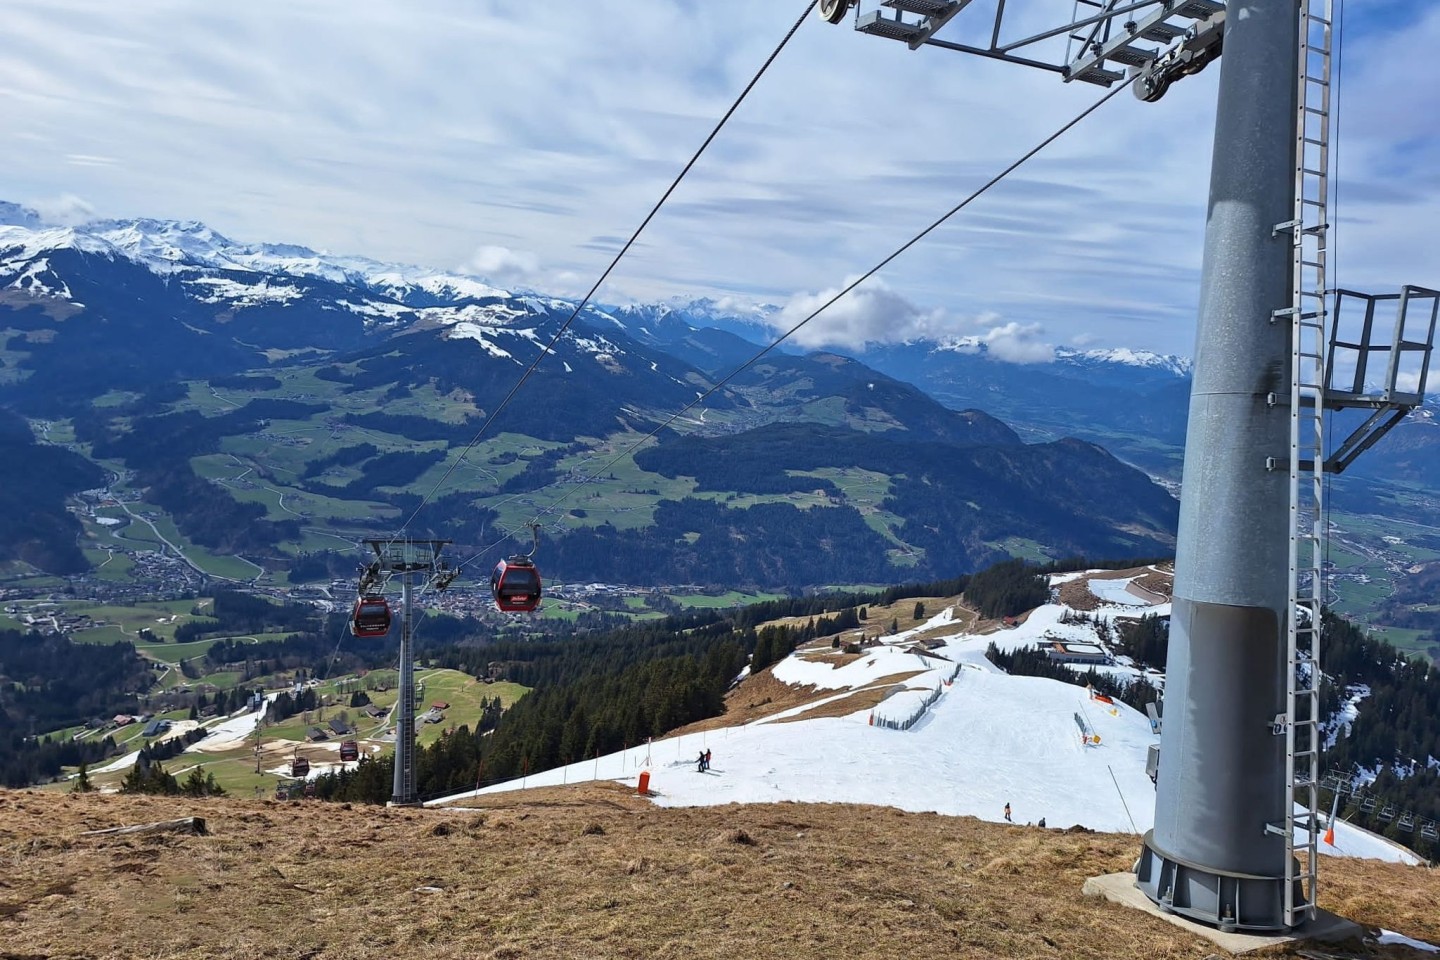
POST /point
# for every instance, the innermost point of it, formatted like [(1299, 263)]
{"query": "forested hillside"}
[(34, 525), (49, 683), (1395, 735)]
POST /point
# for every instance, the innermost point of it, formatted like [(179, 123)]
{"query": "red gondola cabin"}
[(515, 585), (299, 767), (349, 750), (371, 617)]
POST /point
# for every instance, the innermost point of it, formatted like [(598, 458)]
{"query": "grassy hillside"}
[(241, 478), (598, 872), (234, 766)]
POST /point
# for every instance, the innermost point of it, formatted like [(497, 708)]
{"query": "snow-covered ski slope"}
[(987, 740)]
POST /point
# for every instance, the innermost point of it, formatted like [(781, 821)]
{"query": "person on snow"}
[(700, 766), (1007, 813), (707, 758)]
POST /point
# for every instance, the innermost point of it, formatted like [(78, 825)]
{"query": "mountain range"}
[(915, 457)]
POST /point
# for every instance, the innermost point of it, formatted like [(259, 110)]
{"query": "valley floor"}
[(594, 871)]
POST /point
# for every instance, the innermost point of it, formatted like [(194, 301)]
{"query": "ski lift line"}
[(1014, 165), (774, 54)]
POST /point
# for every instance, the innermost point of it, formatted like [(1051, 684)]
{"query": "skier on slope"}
[(700, 764)]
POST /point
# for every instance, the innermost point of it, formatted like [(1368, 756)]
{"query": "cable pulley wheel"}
[(834, 10)]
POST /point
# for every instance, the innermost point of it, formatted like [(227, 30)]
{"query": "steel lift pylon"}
[(409, 559), (1236, 816)]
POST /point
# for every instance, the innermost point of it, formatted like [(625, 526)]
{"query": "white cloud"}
[(875, 314), (503, 266), (872, 313), (1018, 343), (66, 210), (1408, 380)]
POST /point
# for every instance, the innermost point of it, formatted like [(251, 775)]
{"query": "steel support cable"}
[(936, 224), (774, 54)]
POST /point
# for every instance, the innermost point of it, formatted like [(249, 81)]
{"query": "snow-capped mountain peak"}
[(188, 246), (1122, 356), (1180, 366)]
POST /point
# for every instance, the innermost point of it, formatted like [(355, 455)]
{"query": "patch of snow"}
[(232, 731), (441, 286), (1390, 936), (497, 315), (1056, 579), (377, 308), (37, 278), (880, 662), (1347, 713), (481, 335), (115, 766), (1116, 592), (230, 291)]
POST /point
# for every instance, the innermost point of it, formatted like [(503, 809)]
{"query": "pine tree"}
[(194, 784), (82, 781), (919, 610)]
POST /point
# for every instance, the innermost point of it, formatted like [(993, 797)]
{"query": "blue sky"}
[(524, 141)]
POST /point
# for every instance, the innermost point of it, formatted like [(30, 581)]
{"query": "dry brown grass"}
[(589, 871), (864, 698), (877, 619), (835, 658), (758, 697), (1077, 596), (1161, 582)]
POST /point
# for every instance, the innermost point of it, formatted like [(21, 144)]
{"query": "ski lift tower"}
[(408, 559), (1236, 792)]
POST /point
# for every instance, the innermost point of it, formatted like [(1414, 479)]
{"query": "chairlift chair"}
[(1428, 831), (1407, 822), (1368, 805), (1387, 813)]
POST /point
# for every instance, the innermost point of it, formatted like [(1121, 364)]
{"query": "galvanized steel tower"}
[(1222, 771), (408, 558)]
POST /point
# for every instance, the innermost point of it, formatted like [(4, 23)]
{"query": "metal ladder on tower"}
[(1309, 317)]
